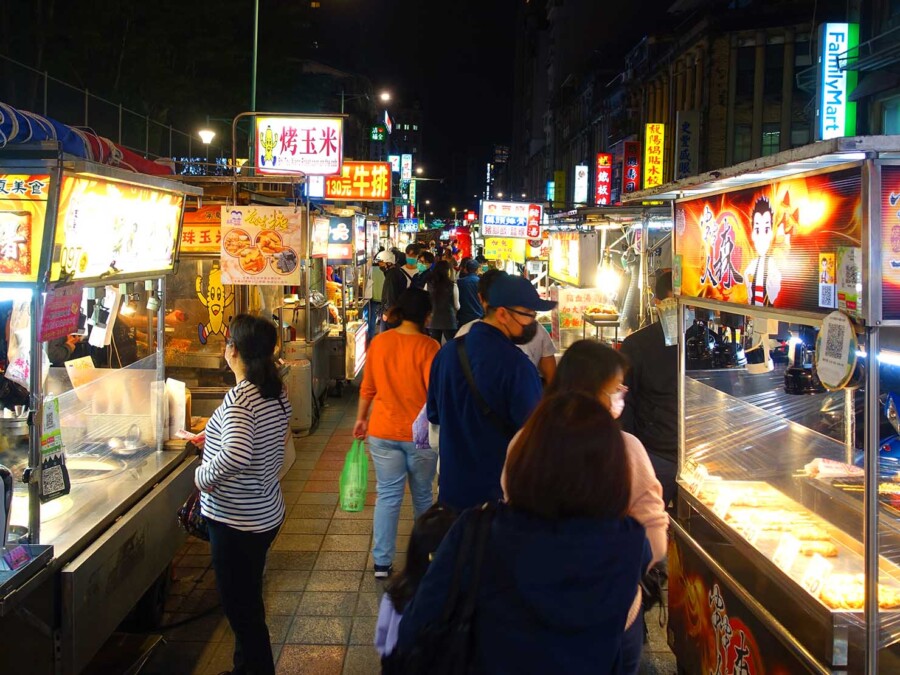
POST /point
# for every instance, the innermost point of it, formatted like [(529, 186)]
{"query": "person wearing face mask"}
[(480, 408), (651, 406), (593, 368), (424, 266), (409, 268)]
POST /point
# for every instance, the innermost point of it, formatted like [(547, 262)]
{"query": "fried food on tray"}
[(824, 548), (235, 242), (847, 591), (252, 260)]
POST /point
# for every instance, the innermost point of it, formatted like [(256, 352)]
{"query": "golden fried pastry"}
[(252, 260), (269, 242), (811, 533), (847, 591), (824, 548), (236, 241)]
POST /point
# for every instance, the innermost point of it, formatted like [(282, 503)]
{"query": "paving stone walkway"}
[(320, 593)]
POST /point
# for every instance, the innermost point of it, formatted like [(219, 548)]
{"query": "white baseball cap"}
[(386, 257)]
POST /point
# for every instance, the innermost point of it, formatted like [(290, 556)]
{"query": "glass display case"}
[(784, 552), (92, 482)]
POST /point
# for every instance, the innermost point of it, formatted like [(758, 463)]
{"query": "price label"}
[(723, 503), (787, 551), (816, 574), (753, 532), (695, 477)]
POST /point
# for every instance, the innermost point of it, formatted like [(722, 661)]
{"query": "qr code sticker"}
[(834, 343), (826, 295), (52, 480)]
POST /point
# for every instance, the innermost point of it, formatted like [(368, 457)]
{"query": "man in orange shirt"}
[(394, 389)]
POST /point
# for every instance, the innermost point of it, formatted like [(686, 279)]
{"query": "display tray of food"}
[(811, 551)]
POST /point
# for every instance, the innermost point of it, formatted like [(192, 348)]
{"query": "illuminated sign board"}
[(377, 133), (395, 163), (551, 190), (412, 192), (603, 179), (654, 147), (299, 145), (631, 167), (504, 248), (408, 224), (23, 207), (581, 183), (835, 114), (511, 219), (362, 181), (388, 122), (201, 230), (777, 245), (405, 167), (340, 239), (687, 143), (262, 244), (105, 228)]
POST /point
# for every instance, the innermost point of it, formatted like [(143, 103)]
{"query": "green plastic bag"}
[(355, 478)]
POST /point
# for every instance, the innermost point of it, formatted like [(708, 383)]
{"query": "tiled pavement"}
[(321, 597)]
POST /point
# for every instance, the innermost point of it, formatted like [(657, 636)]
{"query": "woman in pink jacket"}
[(598, 370)]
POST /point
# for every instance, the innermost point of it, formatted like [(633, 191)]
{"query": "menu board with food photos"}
[(261, 245)]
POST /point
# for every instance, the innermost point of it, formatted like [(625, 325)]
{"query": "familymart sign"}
[(835, 114)]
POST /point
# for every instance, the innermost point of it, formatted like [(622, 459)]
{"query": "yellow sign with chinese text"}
[(363, 181), (504, 248), (654, 151), (23, 207), (201, 231)]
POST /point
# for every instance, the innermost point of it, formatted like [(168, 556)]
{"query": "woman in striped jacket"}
[(240, 493)]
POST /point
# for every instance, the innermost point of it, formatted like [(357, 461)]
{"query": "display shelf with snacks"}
[(785, 546)]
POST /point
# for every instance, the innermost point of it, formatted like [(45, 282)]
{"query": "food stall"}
[(90, 524), (784, 551)]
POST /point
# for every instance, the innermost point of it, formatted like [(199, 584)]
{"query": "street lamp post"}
[(206, 135)]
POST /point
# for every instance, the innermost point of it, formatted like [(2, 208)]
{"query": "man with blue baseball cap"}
[(481, 391)]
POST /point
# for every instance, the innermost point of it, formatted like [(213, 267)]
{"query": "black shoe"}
[(383, 571)]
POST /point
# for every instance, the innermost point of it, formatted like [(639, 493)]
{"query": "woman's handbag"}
[(191, 520), (355, 478)]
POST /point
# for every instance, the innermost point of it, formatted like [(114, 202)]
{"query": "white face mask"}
[(617, 404)]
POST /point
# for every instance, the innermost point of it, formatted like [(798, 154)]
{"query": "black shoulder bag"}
[(446, 647), (486, 410)]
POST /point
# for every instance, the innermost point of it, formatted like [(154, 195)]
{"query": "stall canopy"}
[(19, 126)]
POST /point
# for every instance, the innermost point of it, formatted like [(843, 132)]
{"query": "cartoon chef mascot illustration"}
[(763, 278), (217, 299)]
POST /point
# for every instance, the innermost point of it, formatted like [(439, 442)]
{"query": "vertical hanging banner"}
[(405, 167), (631, 164), (559, 191), (581, 184), (687, 143), (654, 146), (835, 113), (603, 179)]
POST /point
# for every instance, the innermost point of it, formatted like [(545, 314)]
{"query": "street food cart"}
[(95, 487), (784, 553)]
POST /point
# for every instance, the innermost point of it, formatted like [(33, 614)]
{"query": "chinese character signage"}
[(714, 630), (551, 190), (565, 260), (687, 143), (890, 241), (603, 179), (405, 167), (295, 145), (505, 249), (319, 243), (510, 219), (377, 133), (395, 163), (835, 113), (360, 181), (766, 245), (262, 244), (201, 230), (559, 189), (408, 224), (654, 148), (631, 167), (581, 183), (23, 207), (108, 228)]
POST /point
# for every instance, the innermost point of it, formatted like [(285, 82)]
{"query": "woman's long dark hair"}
[(428, 533), (414, 305), (255, 340), (440, 284), (586, 366)]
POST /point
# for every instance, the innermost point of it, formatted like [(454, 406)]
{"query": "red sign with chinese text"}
[(763, 245), (631, 169), (603, 180), (362, 181)]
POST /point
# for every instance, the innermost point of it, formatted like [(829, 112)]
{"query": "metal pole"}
[(255, 45), (160, 361), (870, 493), (36, 426)]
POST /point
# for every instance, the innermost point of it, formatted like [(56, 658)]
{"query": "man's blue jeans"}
[(394, 461)]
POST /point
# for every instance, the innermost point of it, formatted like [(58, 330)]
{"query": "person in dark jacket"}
[(470, 307), (444, 303), (394, 285), (562, 559), (651, 404), (425, 265)]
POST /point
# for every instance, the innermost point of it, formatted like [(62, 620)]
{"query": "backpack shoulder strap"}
[(483, 405)]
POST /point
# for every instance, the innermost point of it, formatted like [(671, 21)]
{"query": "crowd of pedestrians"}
[(547, 514)]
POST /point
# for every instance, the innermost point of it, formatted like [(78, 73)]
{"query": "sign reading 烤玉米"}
[(835, 113)]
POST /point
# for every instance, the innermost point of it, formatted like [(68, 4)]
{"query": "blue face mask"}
[(421, 267), (484, 268), (410, 261)]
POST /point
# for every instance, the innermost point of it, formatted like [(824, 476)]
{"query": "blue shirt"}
[(472, 447), (469, 305)]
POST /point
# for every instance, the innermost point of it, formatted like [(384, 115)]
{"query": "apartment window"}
[(771, 138), (742, 142), (890, 117), (415, 127), (799, 135), (746, 66), (315, 5), (774, 73)]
